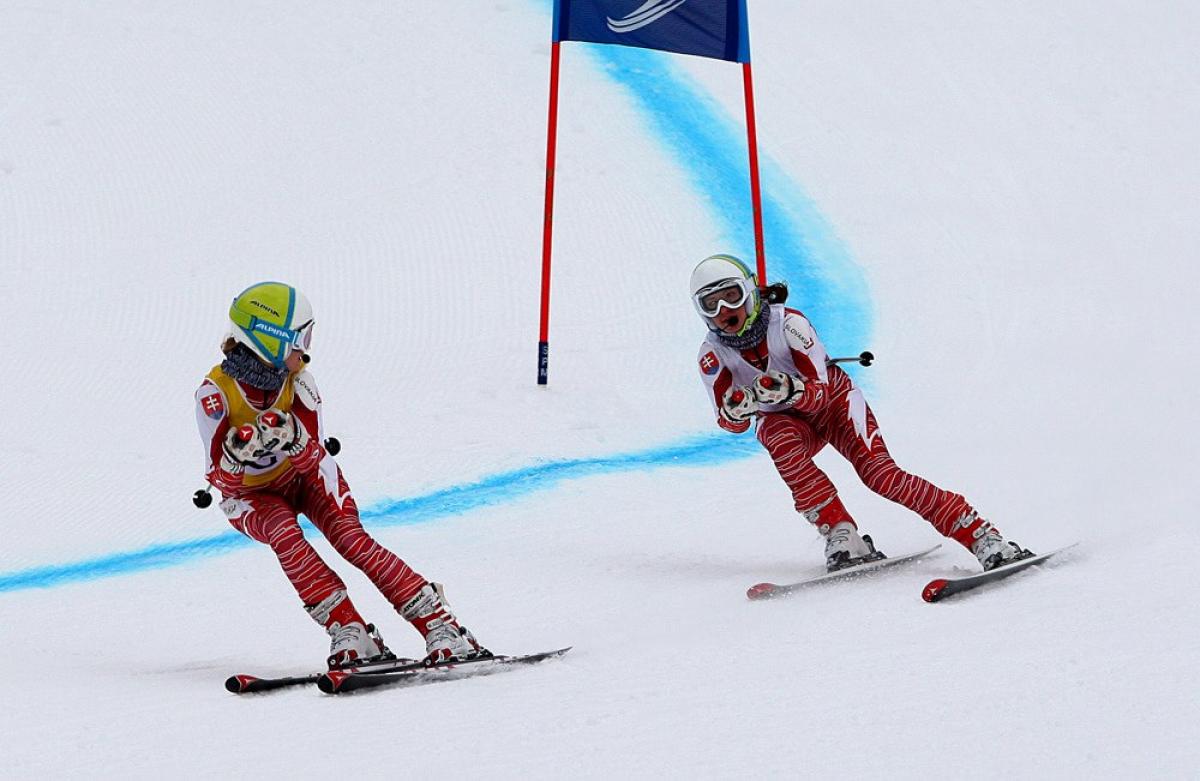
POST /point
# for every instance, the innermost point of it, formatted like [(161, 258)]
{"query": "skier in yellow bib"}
[(259, 415)]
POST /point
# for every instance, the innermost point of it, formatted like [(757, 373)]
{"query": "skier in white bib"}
[(764, 363)]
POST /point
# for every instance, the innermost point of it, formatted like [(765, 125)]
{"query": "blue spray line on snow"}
[(454, 500), (711, 148)]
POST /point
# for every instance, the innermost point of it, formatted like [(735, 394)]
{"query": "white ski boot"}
[(353, 644), (445, 639), (351, 640), (993, 551), (845, 548)]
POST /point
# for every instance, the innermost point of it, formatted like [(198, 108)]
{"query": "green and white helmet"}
[(724, 282), (272, 319)]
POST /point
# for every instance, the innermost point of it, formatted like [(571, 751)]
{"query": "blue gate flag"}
[(707, 28)]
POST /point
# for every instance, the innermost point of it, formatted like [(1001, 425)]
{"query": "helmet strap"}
[(244, 366)]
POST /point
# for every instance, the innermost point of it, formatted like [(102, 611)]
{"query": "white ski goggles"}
[(302, 338), (726, 294)]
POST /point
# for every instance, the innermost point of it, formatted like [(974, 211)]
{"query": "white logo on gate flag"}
[(648, 13)]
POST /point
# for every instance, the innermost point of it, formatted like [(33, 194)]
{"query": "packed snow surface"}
[(998, 199)]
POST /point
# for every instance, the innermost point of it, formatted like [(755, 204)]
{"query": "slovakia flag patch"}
[(709, 364), (213, 406)]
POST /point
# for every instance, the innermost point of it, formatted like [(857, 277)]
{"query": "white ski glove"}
[(281, 432), (241, 447), (775, 387), (738, 405)]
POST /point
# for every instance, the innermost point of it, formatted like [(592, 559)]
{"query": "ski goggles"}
[(298, 338), (726, 294), (303, 336)]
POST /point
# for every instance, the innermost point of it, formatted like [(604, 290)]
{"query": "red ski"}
[(937, 590), (341, 681), (246, 684), (775, 590)]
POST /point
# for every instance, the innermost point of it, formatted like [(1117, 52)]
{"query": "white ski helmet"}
[(724, 282), (272, 319)]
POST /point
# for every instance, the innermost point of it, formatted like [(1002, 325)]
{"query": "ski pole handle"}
[(865, 358)]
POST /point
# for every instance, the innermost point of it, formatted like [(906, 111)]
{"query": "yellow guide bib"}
[(242, 412)]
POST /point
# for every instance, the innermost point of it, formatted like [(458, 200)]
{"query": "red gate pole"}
[(755, 191), (548, 220)]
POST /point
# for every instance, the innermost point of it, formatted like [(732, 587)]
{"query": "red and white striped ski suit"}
[(313, 486), (830, 411)]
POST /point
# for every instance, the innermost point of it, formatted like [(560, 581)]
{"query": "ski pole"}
[(202, 498), (865, 358)]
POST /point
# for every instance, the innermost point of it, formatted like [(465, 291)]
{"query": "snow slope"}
[(999, 200)]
